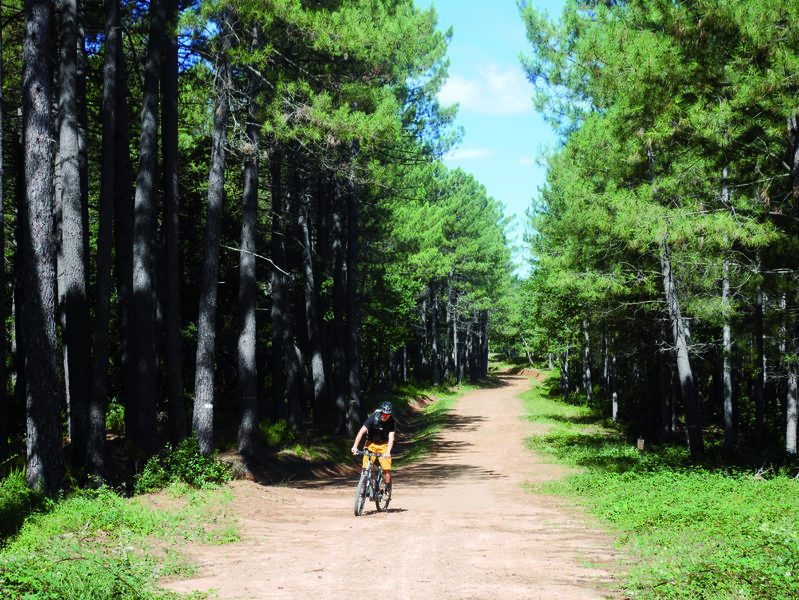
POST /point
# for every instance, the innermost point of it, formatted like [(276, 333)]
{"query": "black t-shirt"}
[(377, 430)]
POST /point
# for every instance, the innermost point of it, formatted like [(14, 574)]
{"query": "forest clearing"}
[(234, 230)]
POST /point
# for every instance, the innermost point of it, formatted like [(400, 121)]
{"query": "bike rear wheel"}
[(360, 493), (382, 498)]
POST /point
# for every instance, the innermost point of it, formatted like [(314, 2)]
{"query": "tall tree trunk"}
[(353, 310), (726, 376), (792, 395), (664, 388), (95, 451), (83, 168), (144, 263), (339, 313), (293, 359), (278, 283), (448, 337), (203, 420), (312, 317), (4, 412), (173, 355), (587, 384), (760, 371), (435, 355), (792, 386), (73, 295), (45, 463), (689, 394), (123, 243), (247, 363), (455, 349)]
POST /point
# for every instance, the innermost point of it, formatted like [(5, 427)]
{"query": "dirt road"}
[(460, 526)]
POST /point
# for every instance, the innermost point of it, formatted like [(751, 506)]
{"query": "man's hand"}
[(354, 449), (387, 454)]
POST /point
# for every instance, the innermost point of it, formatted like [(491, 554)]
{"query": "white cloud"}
[(527, 161), (467, 154), (495, 91)]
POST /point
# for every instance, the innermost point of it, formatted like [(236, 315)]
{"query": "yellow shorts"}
[(385, 463)]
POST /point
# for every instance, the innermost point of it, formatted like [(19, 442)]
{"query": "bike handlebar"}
[(368, 453)]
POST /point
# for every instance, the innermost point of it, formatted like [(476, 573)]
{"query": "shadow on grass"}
[(608, 450)]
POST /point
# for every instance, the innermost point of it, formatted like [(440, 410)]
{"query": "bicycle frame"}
[(369, 484)]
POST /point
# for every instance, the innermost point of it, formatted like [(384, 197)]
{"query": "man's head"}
[(385, 410)]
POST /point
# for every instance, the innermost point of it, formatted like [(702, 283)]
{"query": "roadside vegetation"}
[(693, 530), (97, 543)]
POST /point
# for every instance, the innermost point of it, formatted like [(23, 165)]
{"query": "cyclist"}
[(379, 431)]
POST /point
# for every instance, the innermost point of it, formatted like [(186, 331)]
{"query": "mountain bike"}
[(371, 485)]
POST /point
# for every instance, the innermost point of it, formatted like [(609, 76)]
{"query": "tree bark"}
[(587, 384), (95, 459), (4, 412), (689, 394), (354, 416), (293, 359), (123, 243), (203, 420), (339, 314), (730, 433), (760, 371), (247, 364), (792, 387), (435, 357), (312, 317), (173, 355), (45, 464), (144, 223), (278, 284), (72, 296), (792, 395)]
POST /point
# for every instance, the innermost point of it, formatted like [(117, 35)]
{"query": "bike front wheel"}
[(381, 496), (360, 493)]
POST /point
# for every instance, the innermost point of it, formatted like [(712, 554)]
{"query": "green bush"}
[(276, 434), (17, 500), (115, 418), (184, 463)]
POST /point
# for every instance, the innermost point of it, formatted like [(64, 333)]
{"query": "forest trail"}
[(460, 526)]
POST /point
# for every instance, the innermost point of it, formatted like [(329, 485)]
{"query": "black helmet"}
[(386, 407)]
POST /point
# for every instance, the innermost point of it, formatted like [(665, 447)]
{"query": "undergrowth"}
[(182, 463), (697, 531), (99, 544)]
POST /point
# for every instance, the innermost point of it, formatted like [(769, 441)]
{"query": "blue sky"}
[(503, 136)]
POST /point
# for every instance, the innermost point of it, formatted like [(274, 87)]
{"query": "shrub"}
[(17, 500), (184, 463), (115, 418)]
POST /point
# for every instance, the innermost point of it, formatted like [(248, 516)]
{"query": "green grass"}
[(17, 501), (694, 531), (97, 544)]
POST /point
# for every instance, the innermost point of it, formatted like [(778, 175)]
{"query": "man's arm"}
[(358, 437), (387, 453)]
